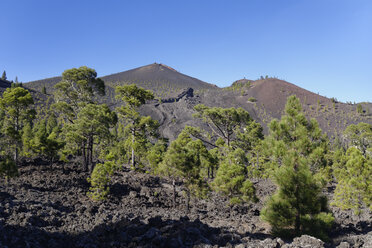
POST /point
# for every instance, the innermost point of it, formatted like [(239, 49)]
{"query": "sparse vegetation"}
[(224, 156), (252, 99)]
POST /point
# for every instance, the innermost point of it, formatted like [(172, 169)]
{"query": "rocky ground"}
[(48, 207)]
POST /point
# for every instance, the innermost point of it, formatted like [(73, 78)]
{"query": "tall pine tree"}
[(17, 105), (138, 129), (298, 146), (183, 161)]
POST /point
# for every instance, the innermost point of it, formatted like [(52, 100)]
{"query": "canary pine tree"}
[(100, 180), (76, 101), (183, 161), (298, 205), (232, 178), (359, 135), (91, 129), (8, 168), (223, 122), (138, 128), (353, 173), (17, 106)]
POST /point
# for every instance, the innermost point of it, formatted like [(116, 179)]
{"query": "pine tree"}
[(359, 109), (137, 128), (296, 147), (3, 77), (298, 206), (79, 87), (222, 121), (156, 154), (17, 105), (8, 168), (232, 178), (359, 135), (90, 129), (27, 140), (353, 173), (294, 131), (100, 180), (183, 160)]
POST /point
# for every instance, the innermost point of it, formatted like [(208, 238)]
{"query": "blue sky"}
[(321, 45)]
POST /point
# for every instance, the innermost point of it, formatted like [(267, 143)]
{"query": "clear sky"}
[(321, 45)]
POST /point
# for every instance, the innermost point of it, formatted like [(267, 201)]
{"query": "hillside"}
[(39, 98), (270, 96), (264, 99), (48, 83), (48, 205), (3, 85), (163, 80)]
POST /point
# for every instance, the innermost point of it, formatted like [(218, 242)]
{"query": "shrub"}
[(252, 99)]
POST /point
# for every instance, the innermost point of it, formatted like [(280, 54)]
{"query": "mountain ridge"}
[(264, 99)]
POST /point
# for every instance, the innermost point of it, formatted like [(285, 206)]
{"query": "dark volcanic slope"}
[(163, 80), (48, 83), (273, 93), (39, 98), (270, 96), (264, 99), (3, 85)]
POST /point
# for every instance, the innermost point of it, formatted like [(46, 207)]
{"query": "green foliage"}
[(3, 76), (183, 160), (359, 109), (100, 180), (88, 124), (27, 140), (252, 99), (296, 149), (8, 168), (353, 172), (249, 137), (359, 135), (138, 129), (90, 131), (222, 121), (79, 87), (294, 131), (44, 91), (16, 105), (298, 206), (133, 96), (232, 178), (156, 154)]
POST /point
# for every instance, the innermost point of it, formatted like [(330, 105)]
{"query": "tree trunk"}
[(133, 157), (174, 193), (90, 159), (297, 223), (84, 157), (188, 200), (16, 147), (16, 156), (297, 207)]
